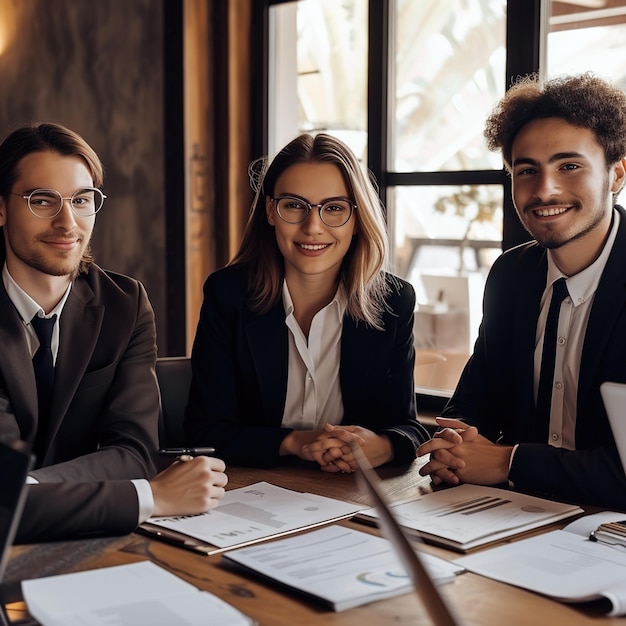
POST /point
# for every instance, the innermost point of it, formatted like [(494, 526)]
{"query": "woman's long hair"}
[(362, 270)]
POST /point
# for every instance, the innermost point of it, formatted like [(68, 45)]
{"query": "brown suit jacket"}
[(102, 426)]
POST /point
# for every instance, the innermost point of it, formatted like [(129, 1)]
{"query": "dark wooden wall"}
[(98, 68), (162, 91)]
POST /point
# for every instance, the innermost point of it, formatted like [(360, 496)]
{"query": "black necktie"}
[(43, 367), (548, 357)]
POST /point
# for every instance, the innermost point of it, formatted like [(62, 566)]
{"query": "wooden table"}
[(476, 600)]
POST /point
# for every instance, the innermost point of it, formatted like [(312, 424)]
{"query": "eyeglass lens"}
[(333, 213), (48, 202)]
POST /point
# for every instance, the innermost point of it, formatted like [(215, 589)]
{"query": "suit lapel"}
[(81, 321), (609, 301), (360, 345), (16, 367), (269, 349), (526, 308)]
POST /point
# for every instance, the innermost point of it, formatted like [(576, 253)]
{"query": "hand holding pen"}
[(190, 485)]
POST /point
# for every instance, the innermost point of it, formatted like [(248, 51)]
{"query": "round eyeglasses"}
[(334, 212), (47, 203)]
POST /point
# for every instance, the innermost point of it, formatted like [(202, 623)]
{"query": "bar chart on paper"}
[(469, 516)]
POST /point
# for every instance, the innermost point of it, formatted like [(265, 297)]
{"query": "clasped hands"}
[(459, 454), (330, 447)]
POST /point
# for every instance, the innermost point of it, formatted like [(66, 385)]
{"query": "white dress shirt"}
[(313, 389), (572, 326)]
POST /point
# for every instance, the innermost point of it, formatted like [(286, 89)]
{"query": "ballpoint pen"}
[(201, 451)]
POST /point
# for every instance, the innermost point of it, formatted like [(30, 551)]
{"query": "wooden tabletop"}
[(478, 601)]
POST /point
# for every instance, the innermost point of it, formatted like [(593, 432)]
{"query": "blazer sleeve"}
[(227, 408), (68, 510), (593, 476), (379, 391)]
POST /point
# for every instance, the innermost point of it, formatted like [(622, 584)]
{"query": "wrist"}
[(505, 465), (288, 444)]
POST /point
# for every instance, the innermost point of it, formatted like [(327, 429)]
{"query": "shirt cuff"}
[(515, 447), (145, 499)]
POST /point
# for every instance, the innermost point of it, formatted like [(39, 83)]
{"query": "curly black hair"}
[(583, 100)]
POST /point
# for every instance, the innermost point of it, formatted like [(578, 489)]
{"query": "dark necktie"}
[(43, 367), (548, 357)]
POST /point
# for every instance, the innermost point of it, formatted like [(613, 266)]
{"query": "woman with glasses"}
[(305, 341)]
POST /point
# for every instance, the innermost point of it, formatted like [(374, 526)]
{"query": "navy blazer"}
[(495, 391), (102, 425), (240, 361)]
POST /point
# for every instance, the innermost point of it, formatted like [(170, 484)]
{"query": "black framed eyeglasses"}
[(334, 212), (47, 203)]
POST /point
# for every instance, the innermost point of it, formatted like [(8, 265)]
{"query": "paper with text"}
[(339, 566), (562, 564), (256, 512), (468, 516)]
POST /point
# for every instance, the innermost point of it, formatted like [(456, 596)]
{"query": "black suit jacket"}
[(240, 362), (495, 391), (102, 427)]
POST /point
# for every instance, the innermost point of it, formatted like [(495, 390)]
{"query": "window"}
[(408, 86)]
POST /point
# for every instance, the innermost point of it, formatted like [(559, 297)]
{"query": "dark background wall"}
[(98, 68)]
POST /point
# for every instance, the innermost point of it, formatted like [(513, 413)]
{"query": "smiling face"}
[(35, 247), (311, 248), (562, 189)]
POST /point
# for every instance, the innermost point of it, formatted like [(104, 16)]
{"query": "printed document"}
[(563, 564), (254, 513), (337, 566), (468, 516)]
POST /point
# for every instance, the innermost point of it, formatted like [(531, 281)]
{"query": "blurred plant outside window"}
[(448, 72)]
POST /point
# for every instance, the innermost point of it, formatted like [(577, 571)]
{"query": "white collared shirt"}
[(28, 308), (572, 327), (313, 389)]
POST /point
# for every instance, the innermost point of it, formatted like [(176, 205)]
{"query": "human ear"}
[(3, 212), (619, 170), (269, 210)]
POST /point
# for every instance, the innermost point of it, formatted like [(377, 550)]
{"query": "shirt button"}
[(555, 437), (559, 385), (561, 341)]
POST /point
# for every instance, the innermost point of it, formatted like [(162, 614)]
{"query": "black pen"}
[(206, 451)]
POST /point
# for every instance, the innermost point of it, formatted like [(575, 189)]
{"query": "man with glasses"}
[(78, 348)]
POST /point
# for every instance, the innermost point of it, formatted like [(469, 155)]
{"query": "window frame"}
[(526, 33)]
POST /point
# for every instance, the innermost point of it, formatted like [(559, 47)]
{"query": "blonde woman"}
[(305, 341)]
